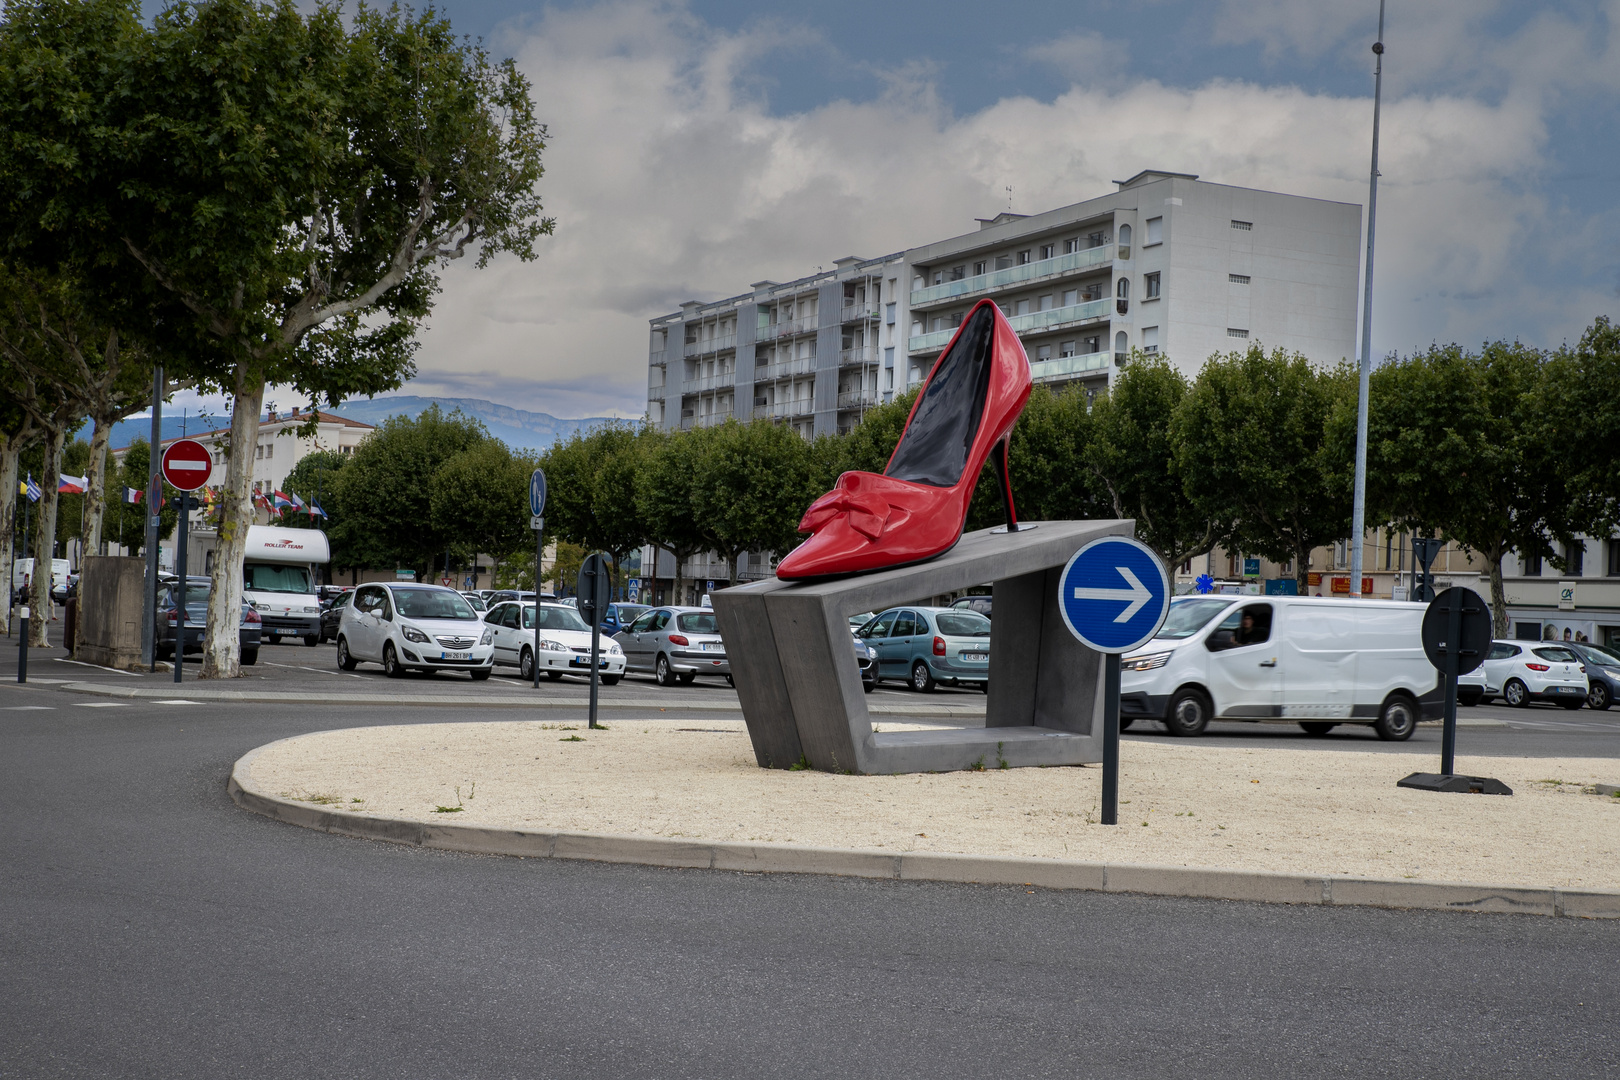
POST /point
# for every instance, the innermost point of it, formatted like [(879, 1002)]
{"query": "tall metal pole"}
[(1358, 513), (180, 572), (153, 495)]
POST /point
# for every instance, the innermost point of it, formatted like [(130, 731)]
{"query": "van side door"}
[(1319, 642), (1244, 678)]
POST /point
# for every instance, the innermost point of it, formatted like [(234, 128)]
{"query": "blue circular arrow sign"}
[(537, 492), (1114, 594)]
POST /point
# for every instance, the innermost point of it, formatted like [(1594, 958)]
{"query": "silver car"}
[(676, 644)]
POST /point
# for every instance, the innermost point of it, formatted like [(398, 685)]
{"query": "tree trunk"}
[(679, 580), (1302, 569), (1499, 618), (222, 652), (45, 540), (95, 492), (8, 508)]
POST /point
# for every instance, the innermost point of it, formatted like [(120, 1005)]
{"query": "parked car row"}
[(1567, 673)]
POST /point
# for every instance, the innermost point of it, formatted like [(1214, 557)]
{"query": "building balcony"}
[(1063, 368), (779, 410), (857, 399), (1035, 321), (789, 328), (1074, 261), (655, 393), (861, 312), (785, 369), (658, 357), (710, 345), (858, 356)]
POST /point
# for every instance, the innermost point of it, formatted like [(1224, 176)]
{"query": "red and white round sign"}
[(187, 465)]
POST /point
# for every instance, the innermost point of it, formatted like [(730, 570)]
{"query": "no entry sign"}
[(187, 465)]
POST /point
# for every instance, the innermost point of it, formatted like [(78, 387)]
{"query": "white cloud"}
[(1085, 57), (670, 181)]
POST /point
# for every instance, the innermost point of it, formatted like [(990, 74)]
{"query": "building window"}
[(1093, 343), (1613, 567), (1071, 246), (1046, 302), (1150, 339), (1155, 231), (939, 277), (1242, 226), (1023, 257), (978, 268), (1150, 286), (958, 273), (1021, 307), (1043, 352), (1124, 241), (888, 315), (1066, 348), (1530, 565), (1003, 262), (258, 452), (1232, 331), (1238, 279), (1122, 296), (1071, 298), (1575, 558), (1122, 344), (1048, 250)]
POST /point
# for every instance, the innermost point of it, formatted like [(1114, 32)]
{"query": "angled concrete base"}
[(791, 658)]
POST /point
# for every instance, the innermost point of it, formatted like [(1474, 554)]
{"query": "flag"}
[(72, 485), (31, 489), (297, 503), (280, 500), (133, 496), (315, 509)]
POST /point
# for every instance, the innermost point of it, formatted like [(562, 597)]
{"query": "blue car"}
[(925, 646), (619, 616)]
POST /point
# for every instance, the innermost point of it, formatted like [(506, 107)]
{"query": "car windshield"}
[(195, 595), (963, 623), (555, 618), (1558, 655), (475, 602), (433, 604), (1187, 617), (1597, 654), (630, 612), (697, 623), (276, 577)]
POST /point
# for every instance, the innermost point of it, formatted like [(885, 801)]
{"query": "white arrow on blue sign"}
[(1114, 594)]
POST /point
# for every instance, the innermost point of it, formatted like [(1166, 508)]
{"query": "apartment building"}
[(1165, 264)]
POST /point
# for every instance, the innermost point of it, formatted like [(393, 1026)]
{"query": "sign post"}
[(187, 465), (595, 584), (1424, 551), (1456, 636), (1114, 595), (537, 522)]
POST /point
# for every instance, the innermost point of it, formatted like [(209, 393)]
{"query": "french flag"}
[(133, 496)]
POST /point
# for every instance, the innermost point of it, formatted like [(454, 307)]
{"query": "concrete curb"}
[(1256, 886), (671, 704)]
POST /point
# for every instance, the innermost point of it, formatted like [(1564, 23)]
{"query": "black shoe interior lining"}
[(934, 447)]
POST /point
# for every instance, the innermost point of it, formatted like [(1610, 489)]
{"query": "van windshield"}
[(276, 577), (1187, 617)]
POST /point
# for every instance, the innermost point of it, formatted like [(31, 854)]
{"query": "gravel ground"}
[(1300, 811)]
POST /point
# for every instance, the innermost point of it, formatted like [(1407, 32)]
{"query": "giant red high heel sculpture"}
[(915, 509)]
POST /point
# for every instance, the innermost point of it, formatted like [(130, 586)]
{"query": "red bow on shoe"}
[(868, 512)]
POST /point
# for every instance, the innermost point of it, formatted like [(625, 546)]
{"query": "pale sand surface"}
[(1300, 811)]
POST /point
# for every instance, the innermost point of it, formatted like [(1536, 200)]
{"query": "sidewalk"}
[(1278, 825)]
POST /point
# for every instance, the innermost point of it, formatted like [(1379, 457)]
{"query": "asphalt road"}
[(149, 928)]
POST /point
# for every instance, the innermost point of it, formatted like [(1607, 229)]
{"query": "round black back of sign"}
[(1474, 639)]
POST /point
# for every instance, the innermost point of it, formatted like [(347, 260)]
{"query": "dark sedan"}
[(332, 614), (1602, 673), (198, 590)]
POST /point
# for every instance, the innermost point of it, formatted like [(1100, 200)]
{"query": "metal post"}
[(1448, 737), (539, 547), (596, 646), (22, 648), (1110, 778), (180, 572), (153, 496), (1358, 513)]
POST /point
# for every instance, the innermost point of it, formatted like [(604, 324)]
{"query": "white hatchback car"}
[(1526, 671), (565, 642), (426, 627)]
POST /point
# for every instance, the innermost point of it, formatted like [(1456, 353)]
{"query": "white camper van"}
[(279, 580), (23, 570), (1320, 661)]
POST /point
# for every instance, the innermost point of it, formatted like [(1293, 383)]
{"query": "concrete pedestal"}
[(794, 665), (110, 605)]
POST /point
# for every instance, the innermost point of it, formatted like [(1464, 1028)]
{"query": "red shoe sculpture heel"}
[(915, 509)]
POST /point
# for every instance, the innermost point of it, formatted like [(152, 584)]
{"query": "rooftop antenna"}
[(1009, 198), (1358, 512)]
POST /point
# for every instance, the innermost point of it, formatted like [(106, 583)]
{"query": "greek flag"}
[(31, 489)]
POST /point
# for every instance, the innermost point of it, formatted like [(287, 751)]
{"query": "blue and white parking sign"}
[(1114, 594)]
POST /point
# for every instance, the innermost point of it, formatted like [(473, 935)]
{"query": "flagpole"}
[(1358, 509)]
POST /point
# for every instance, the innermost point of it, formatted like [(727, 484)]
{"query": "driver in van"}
[(1248, 633)]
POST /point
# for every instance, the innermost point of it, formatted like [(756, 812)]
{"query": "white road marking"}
[(176, 701), (101, 704), (98, 667), (1138, 594), (30, 708)]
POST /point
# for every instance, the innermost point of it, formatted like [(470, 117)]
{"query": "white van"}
[(23, 570), (1321, 661), (279, 572)]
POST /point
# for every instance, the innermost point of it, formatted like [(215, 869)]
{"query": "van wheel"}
[(1189, 714), (1516, 694), (345, 661), (391, 665), (1397, 719), (1317, 727)]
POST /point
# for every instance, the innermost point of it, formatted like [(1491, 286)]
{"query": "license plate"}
[(975, 657), (455, 656), (1567, 690), (581, 661), (714, 646)]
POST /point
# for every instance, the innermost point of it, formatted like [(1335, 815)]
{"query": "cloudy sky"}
[(698, 146)]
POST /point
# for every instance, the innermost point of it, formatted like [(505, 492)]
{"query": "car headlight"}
[(1146, 662), (613, 650), (312, 611), (552, 646), (411, 633), (488, 638)]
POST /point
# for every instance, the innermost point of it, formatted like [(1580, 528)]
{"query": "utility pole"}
[(1358, 513), (154, 494)]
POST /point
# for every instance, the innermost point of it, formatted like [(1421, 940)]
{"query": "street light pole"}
[(1358, 513)]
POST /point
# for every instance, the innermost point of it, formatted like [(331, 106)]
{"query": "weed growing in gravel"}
[(978, 764), (447, 809), (1001, 759), (571, 738)]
